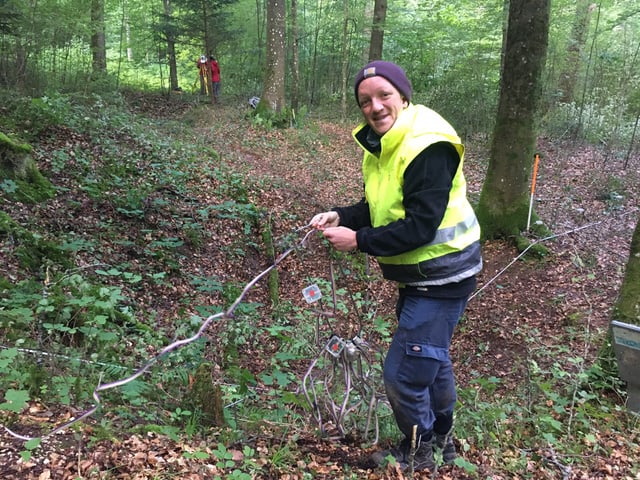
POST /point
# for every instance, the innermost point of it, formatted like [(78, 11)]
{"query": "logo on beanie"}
[(369, 72)]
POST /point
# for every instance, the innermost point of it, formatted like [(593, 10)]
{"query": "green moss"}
[(35, 189), (14, 146), (512, 226), (627, 308), (496, 223), (18, 166), (207, 396), (535, 250), (7, 224), (539, 229)]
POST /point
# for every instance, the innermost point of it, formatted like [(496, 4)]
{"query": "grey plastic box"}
[(626, 344)]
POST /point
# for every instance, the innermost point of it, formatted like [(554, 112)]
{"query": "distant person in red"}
[(215, 78), (205, 74)]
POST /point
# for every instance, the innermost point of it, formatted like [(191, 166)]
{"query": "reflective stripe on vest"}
[(448, 234)]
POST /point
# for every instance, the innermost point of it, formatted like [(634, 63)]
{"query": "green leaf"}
[(197, 455), (16, 400), (25, 455), (32, 444), (7, 356), (467, 466)]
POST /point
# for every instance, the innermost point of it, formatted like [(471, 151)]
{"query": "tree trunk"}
[(259, 30), (171, 45), (273, 96), (208, 42), (631, 142), (313, 81), (569, 76), (295, 67), (344, 58), (207, 396), (26, 183), (14, 158), (579, 124), (627, 308), (98, 39), (21, 63), (504, 201), (377, 30)]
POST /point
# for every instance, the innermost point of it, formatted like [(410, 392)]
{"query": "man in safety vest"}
[(416, 220)]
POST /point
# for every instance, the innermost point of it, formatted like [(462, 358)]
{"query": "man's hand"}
[(343, 239), (325, 220)]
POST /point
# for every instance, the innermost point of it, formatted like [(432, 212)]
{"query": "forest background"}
[(166, 206), (452, 50)]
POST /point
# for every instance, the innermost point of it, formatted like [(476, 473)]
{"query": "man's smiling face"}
[(380, 102)]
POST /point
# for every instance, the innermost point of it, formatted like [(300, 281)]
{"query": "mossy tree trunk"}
[(575, 44), (170, 37), (207, 397), (14, 158), (504, 201), (627, 307), (273, 279), (98, 39), (295, 56), (21, 179)]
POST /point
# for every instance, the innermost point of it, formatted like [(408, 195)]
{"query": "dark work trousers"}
[(418, 374)]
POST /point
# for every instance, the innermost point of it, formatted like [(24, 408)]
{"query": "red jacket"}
[(215, 71)]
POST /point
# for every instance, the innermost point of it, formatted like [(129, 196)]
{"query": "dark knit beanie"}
[(388, 70)]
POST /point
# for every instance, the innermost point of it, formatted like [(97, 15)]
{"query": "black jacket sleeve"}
[(427, 183), (355, 216)]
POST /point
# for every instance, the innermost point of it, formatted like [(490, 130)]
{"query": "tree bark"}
[(295, 57), (627, 307), (17, 164), (626, 310), (504, 201), (98, 39), (313, 82), (208, 44), (273, 93), (377, 30), (344, 58), (14, 158), (569, 76), (171, 45)]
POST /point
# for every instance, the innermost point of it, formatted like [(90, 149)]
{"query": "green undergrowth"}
[(562, 411)]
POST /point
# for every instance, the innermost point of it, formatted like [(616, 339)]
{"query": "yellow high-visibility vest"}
[(415, 129)]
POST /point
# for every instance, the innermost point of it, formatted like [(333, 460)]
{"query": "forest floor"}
[(526, 311)]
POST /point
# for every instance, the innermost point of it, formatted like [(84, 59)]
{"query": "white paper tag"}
[(312, 293)]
